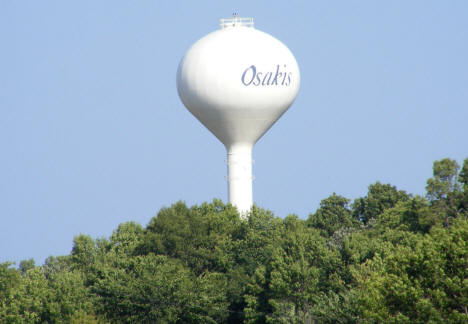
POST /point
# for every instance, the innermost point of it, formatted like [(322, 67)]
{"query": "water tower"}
[(238, 81)]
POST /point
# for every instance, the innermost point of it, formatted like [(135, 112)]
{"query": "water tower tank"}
[(238, 81)]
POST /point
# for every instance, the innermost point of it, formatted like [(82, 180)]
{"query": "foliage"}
[(332, 215), (379, 197), (426, 281), (389, 257), (151, 288), (444, 189)]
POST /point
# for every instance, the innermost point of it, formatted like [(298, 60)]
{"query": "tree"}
[(423, 281), (390, 258), (379, 197), (195, 236), (156, 289), (411, 215), (443, 189), (10, 279), (37, 299), (26, 265), (463, 179), (84, 251), (126, 238), (444, 180), (332, 215), (250, 250), (286, 288)]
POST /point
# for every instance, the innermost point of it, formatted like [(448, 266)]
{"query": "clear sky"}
[(93, 134)]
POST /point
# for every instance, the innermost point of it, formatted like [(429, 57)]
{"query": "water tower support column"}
[(239, 158)]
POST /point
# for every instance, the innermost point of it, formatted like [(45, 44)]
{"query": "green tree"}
[(463, 179), (444, 190), (413, 215), (285, 288), (425, 281), (444, 180), (54, 265), (390, 258), (126, 238), (37, 299), (84, 251), (250, 250), (196, 235), (26, 265), (379, 197), (10, 279), (156, 289), (332, 215)]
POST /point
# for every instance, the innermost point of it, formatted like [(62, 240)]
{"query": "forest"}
[(387, 257)]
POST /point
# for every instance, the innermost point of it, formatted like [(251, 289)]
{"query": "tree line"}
[(387, 257)]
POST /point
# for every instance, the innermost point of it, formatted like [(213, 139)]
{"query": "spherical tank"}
[(238, 81)]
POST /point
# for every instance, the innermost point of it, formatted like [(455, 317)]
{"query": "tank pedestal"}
[(239, 159)]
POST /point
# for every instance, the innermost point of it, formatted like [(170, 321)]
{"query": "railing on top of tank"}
[(236, 21)]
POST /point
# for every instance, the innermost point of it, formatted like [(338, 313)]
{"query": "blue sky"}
[(93, 134)]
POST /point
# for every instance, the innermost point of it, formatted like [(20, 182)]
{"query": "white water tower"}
[(238, 81)]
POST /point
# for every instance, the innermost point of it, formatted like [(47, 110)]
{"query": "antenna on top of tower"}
[(236, 21)]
